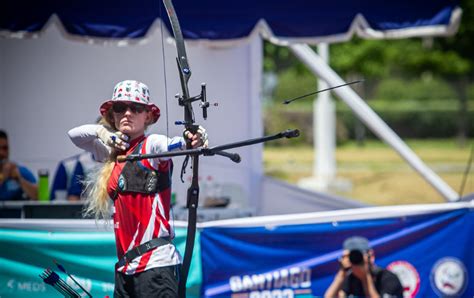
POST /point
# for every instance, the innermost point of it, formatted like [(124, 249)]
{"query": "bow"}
[(186, 101)]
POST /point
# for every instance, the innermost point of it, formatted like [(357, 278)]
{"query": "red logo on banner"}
[(408, 276)]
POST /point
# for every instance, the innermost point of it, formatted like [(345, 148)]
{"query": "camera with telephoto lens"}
[(356, 257)]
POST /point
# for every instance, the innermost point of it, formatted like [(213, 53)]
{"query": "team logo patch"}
[(408, 276), (449, 277), (121, 183)]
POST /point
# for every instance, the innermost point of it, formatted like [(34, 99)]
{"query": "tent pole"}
[(324, 136), (321, 69)]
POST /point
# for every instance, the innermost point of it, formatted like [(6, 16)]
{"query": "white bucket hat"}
[(131, 91)]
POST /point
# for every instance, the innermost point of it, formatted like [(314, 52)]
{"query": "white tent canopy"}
[(56, 81)]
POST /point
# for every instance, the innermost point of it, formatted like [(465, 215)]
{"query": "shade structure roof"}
[(217, 20)]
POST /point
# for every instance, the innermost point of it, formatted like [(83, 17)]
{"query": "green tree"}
[(461, 43), (430, 61)]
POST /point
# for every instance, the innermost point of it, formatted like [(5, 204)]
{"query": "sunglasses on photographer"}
[(135, 108)]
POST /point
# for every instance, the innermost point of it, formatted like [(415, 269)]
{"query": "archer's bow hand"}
[(199, 139)]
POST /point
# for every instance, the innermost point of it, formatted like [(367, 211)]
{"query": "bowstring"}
[(168, 140)]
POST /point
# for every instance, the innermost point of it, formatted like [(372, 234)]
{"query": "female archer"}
[(139, 191)]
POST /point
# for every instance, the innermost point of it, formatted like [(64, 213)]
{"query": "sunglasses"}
[(135, 108)]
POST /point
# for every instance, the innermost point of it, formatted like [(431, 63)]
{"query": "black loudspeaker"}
[(63, 210), (10, 212)]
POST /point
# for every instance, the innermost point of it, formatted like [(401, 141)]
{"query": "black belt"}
[(143, 248)]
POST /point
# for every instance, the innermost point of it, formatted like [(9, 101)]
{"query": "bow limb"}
[(181, 60)]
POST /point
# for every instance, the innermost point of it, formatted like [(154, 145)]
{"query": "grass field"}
[(377, 174)]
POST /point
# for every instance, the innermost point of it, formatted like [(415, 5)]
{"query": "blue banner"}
[(432, 255)]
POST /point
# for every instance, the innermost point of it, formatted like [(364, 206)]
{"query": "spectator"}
[(16, 181), (68, 181), (358, 276)]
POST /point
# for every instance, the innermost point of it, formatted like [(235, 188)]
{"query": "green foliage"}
[(461, 43), (470, 92), (279, 119), (413, 118), (415, 123), (417, 59), (365, 57), (292, 83), (278, 59), (391, 89), (381, 58), (408, 118), (408, 105), (426, 89)]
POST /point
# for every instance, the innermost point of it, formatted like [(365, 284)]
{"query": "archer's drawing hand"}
[(199, 139), (114, 139)]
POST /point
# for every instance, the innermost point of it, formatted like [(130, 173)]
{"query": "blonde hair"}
[(97, 200)]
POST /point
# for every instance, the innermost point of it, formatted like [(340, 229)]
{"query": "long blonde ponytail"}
[(97, 200)]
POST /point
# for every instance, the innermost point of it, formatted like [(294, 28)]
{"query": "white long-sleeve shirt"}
[(85, 137)]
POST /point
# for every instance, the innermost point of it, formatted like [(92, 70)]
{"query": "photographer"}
[(358, 276)]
